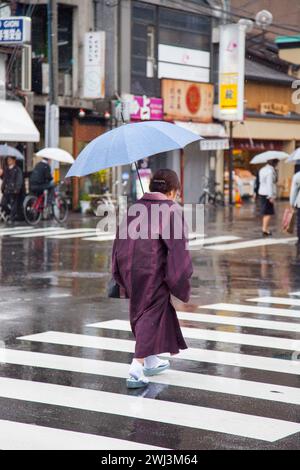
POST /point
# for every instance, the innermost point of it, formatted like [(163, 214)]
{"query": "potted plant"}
[(85, 202)]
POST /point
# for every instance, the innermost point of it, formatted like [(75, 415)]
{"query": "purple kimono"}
[(150, 270)]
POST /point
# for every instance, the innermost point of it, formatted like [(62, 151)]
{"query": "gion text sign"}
[(15, 30)]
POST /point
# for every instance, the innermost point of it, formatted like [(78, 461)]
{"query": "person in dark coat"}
[(11, 188), (151, 262), (41, 179)]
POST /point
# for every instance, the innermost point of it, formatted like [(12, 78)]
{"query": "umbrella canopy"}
[(267, 156), (56, 154), (130, 143), (7, 151), (295, 157)]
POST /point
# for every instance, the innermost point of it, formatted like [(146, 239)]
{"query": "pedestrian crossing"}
[(221, 243), (196, 398)]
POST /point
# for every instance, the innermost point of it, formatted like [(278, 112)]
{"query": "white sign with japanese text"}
[(94, 65), (232, 72)]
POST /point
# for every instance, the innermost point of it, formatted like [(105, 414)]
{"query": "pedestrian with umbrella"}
[(267, 189), (295, 189), (156, 265)]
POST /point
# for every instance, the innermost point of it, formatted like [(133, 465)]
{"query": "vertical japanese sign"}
[(232, 72), (94, 65)]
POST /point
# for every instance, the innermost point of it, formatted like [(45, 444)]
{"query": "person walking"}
[(150, 268), (295, 199), (41, 179), (12, 183), (267, 193)]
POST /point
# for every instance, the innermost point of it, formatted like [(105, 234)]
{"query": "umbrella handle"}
[(136, 167)]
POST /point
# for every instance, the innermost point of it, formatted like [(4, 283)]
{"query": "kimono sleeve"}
[(115, 267), (179, 268)]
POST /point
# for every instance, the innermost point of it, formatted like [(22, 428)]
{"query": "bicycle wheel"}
[(60, 210), (32, 214)]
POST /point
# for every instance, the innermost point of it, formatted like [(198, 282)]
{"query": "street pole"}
[(230, 163), (53, 51), (52, 109)]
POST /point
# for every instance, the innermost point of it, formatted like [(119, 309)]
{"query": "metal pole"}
[(53, 51), (230, 163)]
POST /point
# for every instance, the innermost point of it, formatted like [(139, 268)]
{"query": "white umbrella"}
[(295, 157), (270, 155), (56, 154)]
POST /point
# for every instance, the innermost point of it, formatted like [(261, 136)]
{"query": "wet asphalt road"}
[(240, 360)]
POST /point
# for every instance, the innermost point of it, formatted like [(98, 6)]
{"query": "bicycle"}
[(211, 196), (36, 207)]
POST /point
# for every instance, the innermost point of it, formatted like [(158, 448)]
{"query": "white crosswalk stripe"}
[(222, 336), (191, 354), (253, 244), (196, 417), (276, 300), (20, 436), (278, 312), (237, 321), (263, 425), (264, 391)]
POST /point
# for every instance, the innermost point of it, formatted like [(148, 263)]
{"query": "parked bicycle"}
[(38, 207), (210, 195)]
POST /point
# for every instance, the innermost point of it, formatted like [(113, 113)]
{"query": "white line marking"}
[(195, 417), (40, 233), (19, 436), (222, 336), (71, 235), (263, 391), (276, 300), (241, 322), (280, 312), (252, 244), (297, 294), (213, 240), (100, 238), (191, 354)]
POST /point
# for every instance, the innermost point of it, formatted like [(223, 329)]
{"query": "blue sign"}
[(15, 30)]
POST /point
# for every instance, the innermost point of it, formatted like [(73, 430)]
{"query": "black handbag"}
[(113, 290)]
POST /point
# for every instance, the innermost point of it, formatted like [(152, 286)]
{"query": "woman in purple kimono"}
[(151, 262)]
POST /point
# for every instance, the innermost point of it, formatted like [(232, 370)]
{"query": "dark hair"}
[(164, 181), (274, 162)]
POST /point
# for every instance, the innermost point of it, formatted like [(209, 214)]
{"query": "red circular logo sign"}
[(193, 99)]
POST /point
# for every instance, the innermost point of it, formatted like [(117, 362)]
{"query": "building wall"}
[(257, 93)]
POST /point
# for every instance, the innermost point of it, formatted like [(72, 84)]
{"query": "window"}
[(151, 60)]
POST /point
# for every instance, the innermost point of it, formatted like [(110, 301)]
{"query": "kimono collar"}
[(155, 197)]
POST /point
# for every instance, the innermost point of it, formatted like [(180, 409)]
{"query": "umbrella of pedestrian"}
[(57, 154), (295, 157), (129, 143), (7, 151), (267, 156)]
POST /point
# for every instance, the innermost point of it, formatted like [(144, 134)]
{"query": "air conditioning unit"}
[(26, 77)]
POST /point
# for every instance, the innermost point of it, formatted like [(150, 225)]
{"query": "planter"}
[(84, 206)]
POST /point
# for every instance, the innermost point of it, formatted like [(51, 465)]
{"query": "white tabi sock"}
[(136, 369), (151, 362)]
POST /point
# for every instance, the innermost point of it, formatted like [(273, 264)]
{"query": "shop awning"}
[(205, 130), (15, 123)]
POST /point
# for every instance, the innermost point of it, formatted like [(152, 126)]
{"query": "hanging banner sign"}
[(232, 72), (94, 65), (15, 30)]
